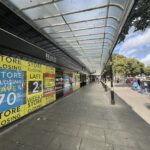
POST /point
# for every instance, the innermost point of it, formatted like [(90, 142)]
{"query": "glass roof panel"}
[(50, 22), (60, 40), (90, 55), (67, 46), (91, 45), (110, 30), (62, 28), (66, 34), (87, 15), (91, 41), (93, 53), (107, 41), (109, 36), (89, 31), (88, 24), (119, 2), (49, 30), (73, 43), (67, 6), (106, 46), (89, 48), (112, 22), (78, 49), (89, 37), (70, 39), (42, 11), (28, 3), (115, 12), (55, 35), (85, 29)]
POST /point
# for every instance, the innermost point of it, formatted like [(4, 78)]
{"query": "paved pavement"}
[(84, 120), (140, 103)]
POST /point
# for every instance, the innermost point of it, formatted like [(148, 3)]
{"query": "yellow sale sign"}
[(76, 81), (49, 93), (34, 89), (24, 87)]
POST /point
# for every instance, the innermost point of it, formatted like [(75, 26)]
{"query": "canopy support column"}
[(111, 82)]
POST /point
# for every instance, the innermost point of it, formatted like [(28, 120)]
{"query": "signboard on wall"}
[(34, 86), (76, 81), (68, 81), (49, 93), (12, 89), (24, 87), (59, 83)]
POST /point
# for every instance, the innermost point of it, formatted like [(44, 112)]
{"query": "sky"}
[(136, 45)]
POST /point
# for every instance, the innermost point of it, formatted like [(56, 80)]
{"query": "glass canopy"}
[(85, 29)]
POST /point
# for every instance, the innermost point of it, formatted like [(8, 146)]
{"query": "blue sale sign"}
[(11, 89)]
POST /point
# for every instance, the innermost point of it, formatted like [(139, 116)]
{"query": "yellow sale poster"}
[(11, 63), (34, 84), (49, 94), (24, 87), (12, 89), (76, 81), (11, 115)]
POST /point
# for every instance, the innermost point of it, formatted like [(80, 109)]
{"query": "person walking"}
[(145, 87), (135, 85), (139, 82)]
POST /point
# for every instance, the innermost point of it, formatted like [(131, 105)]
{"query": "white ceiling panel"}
[(86, 29), (50, 22), (69, 6), (87, 15), (22, 4), (42, 11)]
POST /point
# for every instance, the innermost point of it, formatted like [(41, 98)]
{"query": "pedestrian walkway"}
[(140, 103), (84, 120)]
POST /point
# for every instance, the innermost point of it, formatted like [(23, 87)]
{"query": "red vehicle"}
[(129, 80)]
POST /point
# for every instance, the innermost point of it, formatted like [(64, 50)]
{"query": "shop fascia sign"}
[(49, 57)]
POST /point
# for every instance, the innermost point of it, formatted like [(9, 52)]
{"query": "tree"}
[(123, 66), (133, 67), (106, 71), (139, 18), (119, 64), (147, 70)]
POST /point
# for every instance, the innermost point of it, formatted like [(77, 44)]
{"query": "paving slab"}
[(91, 132), (70, 129), (139, 102), (84, 120), (64, 142), (88, 144)]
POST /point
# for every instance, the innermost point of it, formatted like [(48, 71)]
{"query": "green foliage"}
[(125, 66), (133, 67), (119, 64), (139, 18), (147, 70), (106, 69)]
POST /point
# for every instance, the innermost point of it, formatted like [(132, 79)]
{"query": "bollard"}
[(112, 96), (105, 86)]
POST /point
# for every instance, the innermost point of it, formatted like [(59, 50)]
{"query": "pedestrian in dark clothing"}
[(139, 82)]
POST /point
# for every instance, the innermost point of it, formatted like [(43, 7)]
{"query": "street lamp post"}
[(105, 86), (111, 82)]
